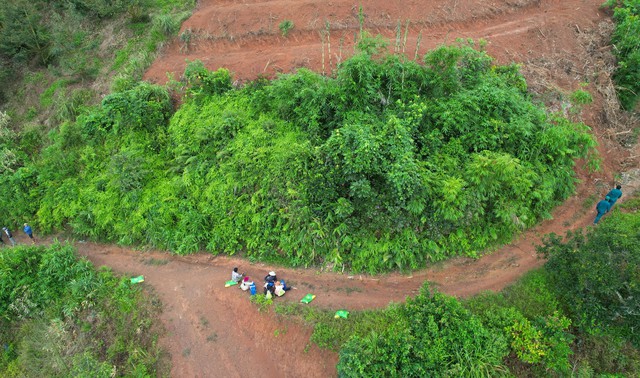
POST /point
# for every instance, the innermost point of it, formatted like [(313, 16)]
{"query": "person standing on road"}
[(27, 230), (602, 207), (615, 194), (6, 231)]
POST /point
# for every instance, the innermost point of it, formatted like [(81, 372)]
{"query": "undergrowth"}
[(62, 317), (626, 43)]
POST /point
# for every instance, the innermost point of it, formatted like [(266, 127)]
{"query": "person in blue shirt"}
[(27, 230), (615, 194), (602, 207)]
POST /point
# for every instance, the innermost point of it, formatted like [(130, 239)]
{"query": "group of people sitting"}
[(272, 286), (607, 203)]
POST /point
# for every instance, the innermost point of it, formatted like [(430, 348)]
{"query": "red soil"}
[(214, 330)]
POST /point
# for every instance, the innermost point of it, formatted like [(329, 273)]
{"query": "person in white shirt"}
[(235, 276)]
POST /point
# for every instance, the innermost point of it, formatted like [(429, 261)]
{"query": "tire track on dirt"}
[(250, 46)]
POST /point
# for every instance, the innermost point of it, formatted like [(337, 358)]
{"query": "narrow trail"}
[(212, 330)]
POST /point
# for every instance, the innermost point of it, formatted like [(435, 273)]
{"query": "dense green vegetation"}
[(574, 317), (62, 318), (57, 58), (71, 44), (388, 165), (626, 42)]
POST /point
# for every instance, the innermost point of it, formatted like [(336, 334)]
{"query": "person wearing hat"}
[(615, 194), (271, 277), (10, 235), (602, 207), (270, 282), (27, 230)]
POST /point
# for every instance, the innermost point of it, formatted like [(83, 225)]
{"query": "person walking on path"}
[(615, 194), (602, 207), (27, 230), (6, 231)]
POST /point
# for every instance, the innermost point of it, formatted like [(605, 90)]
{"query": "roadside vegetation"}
[(626, 43), (576, 316), (63, 318)]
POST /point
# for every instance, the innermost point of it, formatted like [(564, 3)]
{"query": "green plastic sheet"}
[(307, 298), (138, 279)]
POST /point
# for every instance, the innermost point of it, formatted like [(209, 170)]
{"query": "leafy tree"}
[(596, 274), (23, 34)]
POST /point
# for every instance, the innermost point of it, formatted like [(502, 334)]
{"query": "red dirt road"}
[(214, 330)]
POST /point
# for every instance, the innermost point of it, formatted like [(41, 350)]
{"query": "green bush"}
[(596, 275), (433, 336), (527, 316), (626, 40), (62, 317), (389, 165), (285, 27), (202, 82)]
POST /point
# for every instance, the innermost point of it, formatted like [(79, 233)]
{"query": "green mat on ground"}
[(230, 283), (307, 298), (341, 314), (138, 279)]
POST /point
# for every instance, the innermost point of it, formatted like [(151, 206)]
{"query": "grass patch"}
[(263, 303), (589, 202), (46, 97), (89, 321), (632, 204)]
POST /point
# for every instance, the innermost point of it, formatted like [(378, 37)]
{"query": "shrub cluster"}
[(626, 42), (597, 276), (62, 317), (388, 165)]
